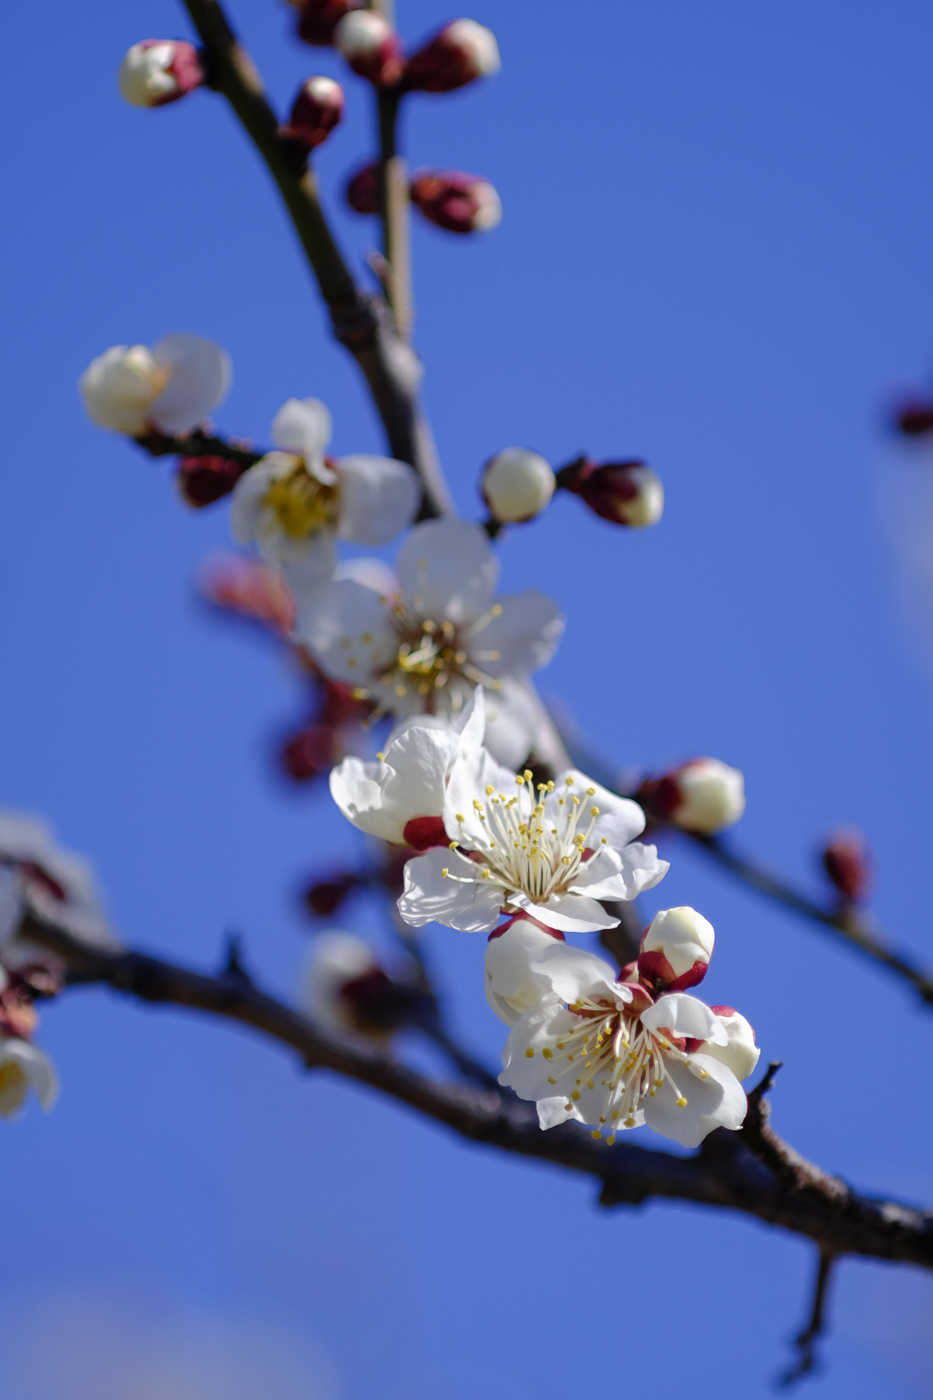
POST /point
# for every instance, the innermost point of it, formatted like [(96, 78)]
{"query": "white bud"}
[(647, 506), (478, 42), (517, 484), (511, 988), (682, 936), (170, 388), (157, 71), (120, 387), (741, 1055), (488, 206), (712, 796), (361, 32), (336, 959)]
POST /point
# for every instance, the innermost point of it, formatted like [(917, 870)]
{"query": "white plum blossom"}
[(24, 1067), (443, 633), (169, 389), (294, 503), (605, 1053), (400, 796), (741, 1054), (554, 852), (511, 986), (336, 959)]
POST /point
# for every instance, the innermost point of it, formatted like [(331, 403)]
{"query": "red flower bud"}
[(375, 1003), (309, 751), (326, 896), (251, 589), (462, 51), (371, 47), (319, 19), (627, 493), (914, 418), (317, 109), (847, 860), (364, 190), (203, 480), (455, 201)]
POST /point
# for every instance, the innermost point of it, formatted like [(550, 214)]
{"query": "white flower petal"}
[(356, 786), (620, 820), (306, 564), (714, 1102), (378, 498), (510, 724), (429, 897), (685, 1015), (120, 386), (447, 570), (303, 426), (521, 639), (38, 1075), (741, 1054), (551, 1112), (372, 573), (572, 913), (473, 772), (199, 379), (347, 630), (512, 987), (573, 973)]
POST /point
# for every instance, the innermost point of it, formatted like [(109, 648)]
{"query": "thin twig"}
[(726, 1174), (198, 444), (806, 1341), (396, 213)]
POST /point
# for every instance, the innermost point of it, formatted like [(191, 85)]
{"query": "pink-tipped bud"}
[(460, 53), (363, 192), (317, 109), (203, 480), (741, 1055), (250, 589), (455, 201), (847, 860), (703, 795), (914, 418), (319, 19), (371, 47), (676, 949), (517, 485), (627, 493), (157, 71)]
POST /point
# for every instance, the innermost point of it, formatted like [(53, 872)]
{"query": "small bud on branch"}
[(456, 201), (517, 485), (317, 109), (371, 47), (158, 71), (461, 52), (627, 493)]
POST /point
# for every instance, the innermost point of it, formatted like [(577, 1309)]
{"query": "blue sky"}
[(715, 254)]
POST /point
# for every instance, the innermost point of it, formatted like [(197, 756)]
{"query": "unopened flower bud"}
[(847, 860), (319, 19), (325, 897), (346, 990), (741, 1055), (310, 751), (168, 389), (363, 192), (371, 47), (704, 795), (517, 484), (455, 201), (461, 52), (914, 418), (317, 109), (676, 949), (203, 480), (157, 71), (627, 493)]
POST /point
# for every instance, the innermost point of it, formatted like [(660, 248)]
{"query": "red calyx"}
[(312, 118), (441, 66), (528, 918), (309, 751), (185, 68), (364, 190), (660, 797), (604, 487), (38, 875), (424, 832), (204, 480), (445, 198), (656, 970), (914, 418), (319, 19)]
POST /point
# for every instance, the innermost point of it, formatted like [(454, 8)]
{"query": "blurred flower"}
[(24, 1067), (914, 417), (157, 71), (364, 189), (317, 109), (455, 201), (294, 503), (171, 388), (345, 989), (371, 47), (606, 1053), (203, 480), (57, 883), (251, 589), (319, 18), (517, 484), (676, 949), (511, 986), (444, 633), (847, 860), (704, 795), (554, 855), (627, 493), (462, 51), (324, 897)]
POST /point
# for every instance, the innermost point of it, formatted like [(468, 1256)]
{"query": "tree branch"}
[(744, 1171), (361, 322), (197, 444), (806, 1341)]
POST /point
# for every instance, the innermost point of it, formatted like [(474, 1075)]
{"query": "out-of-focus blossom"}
[(627, 493), (511, 986), (848, 861), (676, 949), (517, 484), (203, 480), (456, 201), (317, 109), (371, 47), (913, 417), (364, 189), (608, 1054), (703, 795), (294, 503), (24, 1067), (311, 750), (157, 71), (400, 797), (346, 991), (319, 18), (251, 589), (442, 633), (324, 897), (462, 51), (171, 388), (555, 853)]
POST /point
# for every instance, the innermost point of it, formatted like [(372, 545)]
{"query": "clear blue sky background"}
[(716, 254)]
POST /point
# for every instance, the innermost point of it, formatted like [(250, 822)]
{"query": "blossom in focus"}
[(676, 949), (170, 389), (295, 502), (157, 71), (511, 986), (346, 991), (607, 1054), (517, 484), (741, 1054), (461, 52), (455, 201), (442, 633), (371, 47), (317, 109), (847, 860), (24, 1067), (554, 852), (704, 795), (627, 493), (400, 797)]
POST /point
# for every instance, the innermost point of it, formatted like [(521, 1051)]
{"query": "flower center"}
[(300, 502), (524, 850), (433, 660)]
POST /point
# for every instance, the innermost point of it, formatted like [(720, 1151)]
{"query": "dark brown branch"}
[(198, 444), (361, 322), (729, 1173), (807, 1339)]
